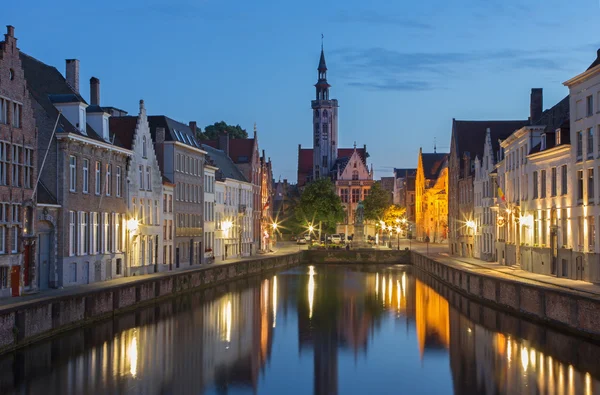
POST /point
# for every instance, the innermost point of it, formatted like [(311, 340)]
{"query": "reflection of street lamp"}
[(132, 227)]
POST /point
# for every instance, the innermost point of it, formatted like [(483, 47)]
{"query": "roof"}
[(227, 169), (555, 116), (596, 62), (305, 158), (433, 164), (174, 131), (469, 136), (124, 129), (240, 150), (44, 196), (400, 173), (322, 65), (47, 86)]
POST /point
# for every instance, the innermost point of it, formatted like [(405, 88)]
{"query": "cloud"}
[(375, 18), (384, 69)]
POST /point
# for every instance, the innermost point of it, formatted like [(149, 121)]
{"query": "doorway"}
[(44, 260)]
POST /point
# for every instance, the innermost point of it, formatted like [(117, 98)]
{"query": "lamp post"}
[(274, 226), (132, 226), (310, 232), (398, 234)]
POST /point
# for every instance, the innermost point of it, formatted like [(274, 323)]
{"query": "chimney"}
[(10, 31), (73, 74), (536, 105), (193, 127), (160, 135), (94, 91), (224, 142)]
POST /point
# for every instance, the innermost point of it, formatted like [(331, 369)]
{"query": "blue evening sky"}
[(401, 70)]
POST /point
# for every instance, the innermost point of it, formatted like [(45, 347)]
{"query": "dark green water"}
[(310, 330)]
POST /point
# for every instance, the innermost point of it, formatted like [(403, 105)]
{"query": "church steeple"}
[(322, 85)]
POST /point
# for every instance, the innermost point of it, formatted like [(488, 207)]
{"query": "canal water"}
[(310, 330)]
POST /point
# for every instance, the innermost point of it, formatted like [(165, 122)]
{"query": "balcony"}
[(188, 232)]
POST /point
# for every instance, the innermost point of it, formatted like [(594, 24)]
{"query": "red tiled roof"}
[(124, 129), (237, 148), (305, 160)]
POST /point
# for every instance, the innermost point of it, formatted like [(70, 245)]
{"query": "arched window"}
[(144, 149), (355, 175)]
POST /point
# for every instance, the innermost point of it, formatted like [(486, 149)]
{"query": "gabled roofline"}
[(88, 140), (583, 76)]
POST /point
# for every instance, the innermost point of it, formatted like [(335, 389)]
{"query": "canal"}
[(310, 330)]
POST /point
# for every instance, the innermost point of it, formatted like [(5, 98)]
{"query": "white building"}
[(168, 225), (533, 176), (144, 195), (584, 91), (233, 208), (209, 212), (485, 195)]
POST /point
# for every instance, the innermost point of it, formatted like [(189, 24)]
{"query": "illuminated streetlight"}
[(274, 225), (470, 224), (132, 224), (311, 228)]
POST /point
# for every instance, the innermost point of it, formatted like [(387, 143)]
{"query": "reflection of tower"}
[(326, 362), (433, 325)]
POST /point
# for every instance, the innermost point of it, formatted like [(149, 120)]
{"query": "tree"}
[(211, 132), (376, 202), (319, 203), (393, 212)]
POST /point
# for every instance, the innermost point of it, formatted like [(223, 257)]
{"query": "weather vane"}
[(322, 40)]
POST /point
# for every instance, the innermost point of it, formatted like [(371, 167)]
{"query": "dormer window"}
[(543, 142), (82, 120), (557, 139)]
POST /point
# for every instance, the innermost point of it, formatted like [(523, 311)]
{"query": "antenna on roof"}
[(434, 146)]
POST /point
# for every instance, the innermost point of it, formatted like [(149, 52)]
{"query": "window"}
[(355, 175), (4, 277), (543, 192), (170, 203), (108, 179), (579, 145), (590, 105), (156, 213), (535, 185), (590, 142), (355, 195), (86, 171), (563, 227), (105, 232), (85, 233), (3, 110), (148, 179), (141, 176), (563, 180), (553, 182), (72, 173), (164, 203), (16, 115), (591, 233), (144, 149), (96, 233), (16, 165), (580, 185), (119, 232), (28, 176), (580, 231), (72, 233), (590, 186), (15, 239), (118, 181), (98, 178), (4, 163)]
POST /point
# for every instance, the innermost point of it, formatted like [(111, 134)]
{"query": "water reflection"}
[(222, 341)]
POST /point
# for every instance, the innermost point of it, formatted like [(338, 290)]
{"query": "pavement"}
[(282, 248), (439, 252)]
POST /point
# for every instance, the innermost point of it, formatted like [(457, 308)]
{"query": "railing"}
[(182, 232)]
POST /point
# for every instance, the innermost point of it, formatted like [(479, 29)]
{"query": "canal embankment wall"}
[(387, 257), (25, 322), (570, 310)]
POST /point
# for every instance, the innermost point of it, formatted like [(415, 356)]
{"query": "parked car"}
[(301, 241), (336, 239)]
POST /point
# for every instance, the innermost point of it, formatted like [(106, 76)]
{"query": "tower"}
[(325, 121)]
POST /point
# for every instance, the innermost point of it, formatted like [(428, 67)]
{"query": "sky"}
[(401, 70)]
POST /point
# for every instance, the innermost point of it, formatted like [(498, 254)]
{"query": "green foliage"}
[(319, 203), (376, 202), (211, 132), (393, 212)]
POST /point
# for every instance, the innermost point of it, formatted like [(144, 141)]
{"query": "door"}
[(554, 246), (44, 260), (177, 257), (579, 268), (191, 252), (15, 280)]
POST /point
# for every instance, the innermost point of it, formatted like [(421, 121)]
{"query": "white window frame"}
[(108, 179), (98, 178), (72, 173), (118, 181), (86, 175)]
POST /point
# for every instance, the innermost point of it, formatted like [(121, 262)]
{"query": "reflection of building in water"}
[(487, 362), (432, 319), (216, 342), (340, 310)]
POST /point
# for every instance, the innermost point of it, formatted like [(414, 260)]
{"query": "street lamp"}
[(398, 234), (310, 232), (274, 226)]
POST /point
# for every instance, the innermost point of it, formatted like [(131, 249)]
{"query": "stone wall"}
[(561, 308), (357, 256), (28, 322)]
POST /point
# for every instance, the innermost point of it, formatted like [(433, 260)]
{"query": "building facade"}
[(18, 175), (268, 232), (388, 184), (404, 191), (144, 195), (182, 161), (209, 211), (431, 197), (168, 224), (352, 184)]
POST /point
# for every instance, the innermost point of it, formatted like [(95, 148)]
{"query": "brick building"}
[(18, 174), (431, 197), (404, 191), (181, 160), (82, 179)]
